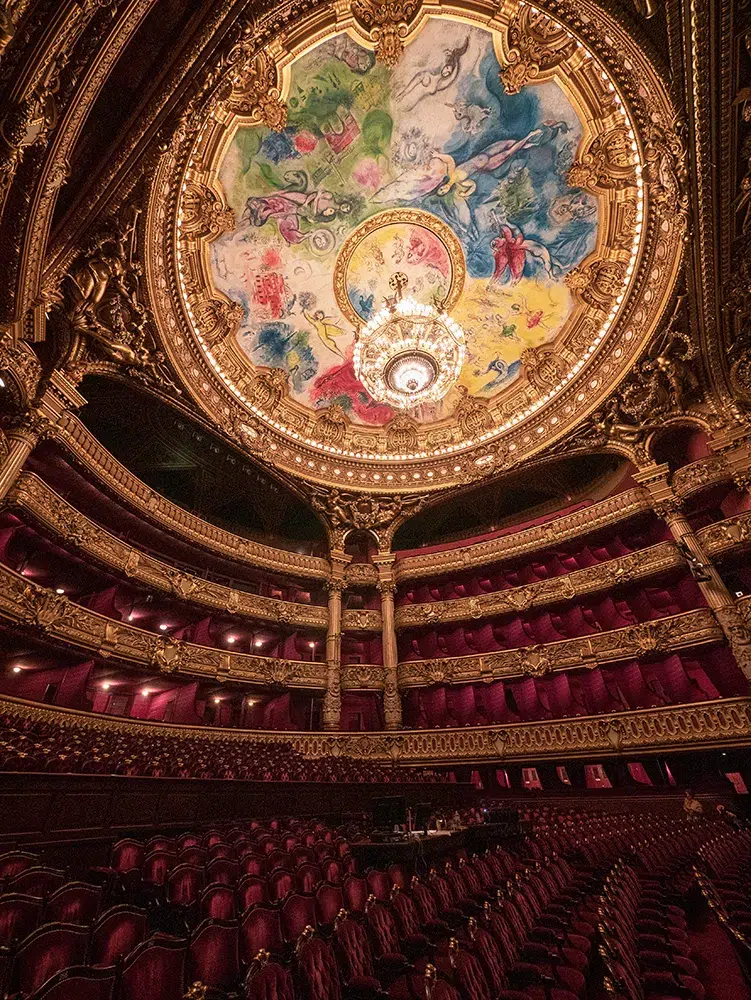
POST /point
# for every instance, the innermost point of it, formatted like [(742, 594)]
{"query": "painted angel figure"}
[(510, 249)]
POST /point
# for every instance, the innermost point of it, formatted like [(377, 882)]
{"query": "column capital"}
[(656, 480)]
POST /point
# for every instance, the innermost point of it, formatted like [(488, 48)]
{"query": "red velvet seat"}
[(252, 890), (379, 884), (329, 900), (155, 968), (126, 855), (116, 933), (184, 884), (307, 877), (298, 912), (39, 881), (47, 950), (78, 983), (354, 956), (217, 902), (15, 862), (74, 903), (268, 980), (280, 883), (214, 954), (260, 930), (19, 915), (355, 893), (156, 866), (317, 969), (223, 870)]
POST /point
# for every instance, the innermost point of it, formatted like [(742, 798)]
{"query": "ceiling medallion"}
[(520, 204), (409, 353)]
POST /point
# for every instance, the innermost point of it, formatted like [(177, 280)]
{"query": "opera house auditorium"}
[(375, 500)]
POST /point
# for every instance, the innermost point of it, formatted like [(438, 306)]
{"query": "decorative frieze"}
[(116, 478), (56, 617), (634, 566), (33, 495), (692, 628), (704, 725)]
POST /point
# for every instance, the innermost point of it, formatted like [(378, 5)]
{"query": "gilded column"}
[(667, 506), (36, 424), (332, 702), (392, 702)]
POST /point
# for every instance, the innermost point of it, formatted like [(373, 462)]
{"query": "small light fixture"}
[(258, 642), (312, 645), (130, 617), (106, 686), (163, 627), (2, 383), (217, 700), (251, 702), (739, 593), (145, 692), (16, 670), (59, 590), (231, 639)]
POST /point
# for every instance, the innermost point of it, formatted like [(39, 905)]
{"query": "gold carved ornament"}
[(386, 23), (535, 44)]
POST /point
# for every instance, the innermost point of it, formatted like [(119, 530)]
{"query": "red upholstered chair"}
[(268, 980), (214, 955), (223, 870), (188, 840), (39, 881), (280, 859), (390, 959), (155, 968), (329, 900), (307, 877), (19, 915), (74, 903), (298, 912), (252, 890), (280, 883), (217, 902), (260, 929), (221, 851), (332, 870), (355, 958), (408, 922), (192, 855), (116, 933), (184, 884), (78, 983), (126, 855), (317, 969), (398, 876), (155, 867), (253, 864), (355, 893), (160, 843), (428, 910), (15, 862), (46, 951), (379, 884)]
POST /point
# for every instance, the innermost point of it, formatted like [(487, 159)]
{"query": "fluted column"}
[(37, 423), (332, 702), (667, 506), (392, 702)]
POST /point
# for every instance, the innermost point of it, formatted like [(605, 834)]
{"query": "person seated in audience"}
[(692, 808)]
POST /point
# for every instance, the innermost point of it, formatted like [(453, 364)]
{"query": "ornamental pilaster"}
[(669, 507), (332, 701), (392, 702), (36, 424), (734, 444)]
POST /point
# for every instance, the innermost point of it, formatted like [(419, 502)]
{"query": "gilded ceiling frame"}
[(661, 152)]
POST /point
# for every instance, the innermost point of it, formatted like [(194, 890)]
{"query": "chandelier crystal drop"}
[(409, 353)]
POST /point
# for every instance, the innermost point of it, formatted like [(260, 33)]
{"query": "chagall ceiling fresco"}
[(428, 168)]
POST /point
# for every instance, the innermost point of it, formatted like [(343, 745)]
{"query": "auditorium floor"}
[(718, 966)]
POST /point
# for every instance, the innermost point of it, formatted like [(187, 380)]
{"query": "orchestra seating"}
[(587, 905)]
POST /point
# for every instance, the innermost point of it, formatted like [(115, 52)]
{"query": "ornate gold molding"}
[(365, 621), (692, 628), (147, 503), (634, 566), (705, 725), (716, 539), (581, 522), (35, 497), (54, 616), (362, 677)]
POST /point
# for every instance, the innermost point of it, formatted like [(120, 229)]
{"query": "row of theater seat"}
[(502, 927), (70, 748), (723, 873)]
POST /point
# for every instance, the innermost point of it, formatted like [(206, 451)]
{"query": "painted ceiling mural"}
[(428, 168)]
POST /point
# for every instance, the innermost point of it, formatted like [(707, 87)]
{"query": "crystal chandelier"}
[(408, 353)]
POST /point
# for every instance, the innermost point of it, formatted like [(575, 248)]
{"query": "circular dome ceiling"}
[(495, 163)]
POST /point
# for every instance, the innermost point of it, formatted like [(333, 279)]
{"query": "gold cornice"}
[(32, 495), (699, 726), (56, 617), (362, 677), (690, 629), (581, 522), (149, 504), (634, 566)]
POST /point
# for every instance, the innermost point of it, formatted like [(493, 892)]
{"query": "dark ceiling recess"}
[(527, 494), (196, 469)]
